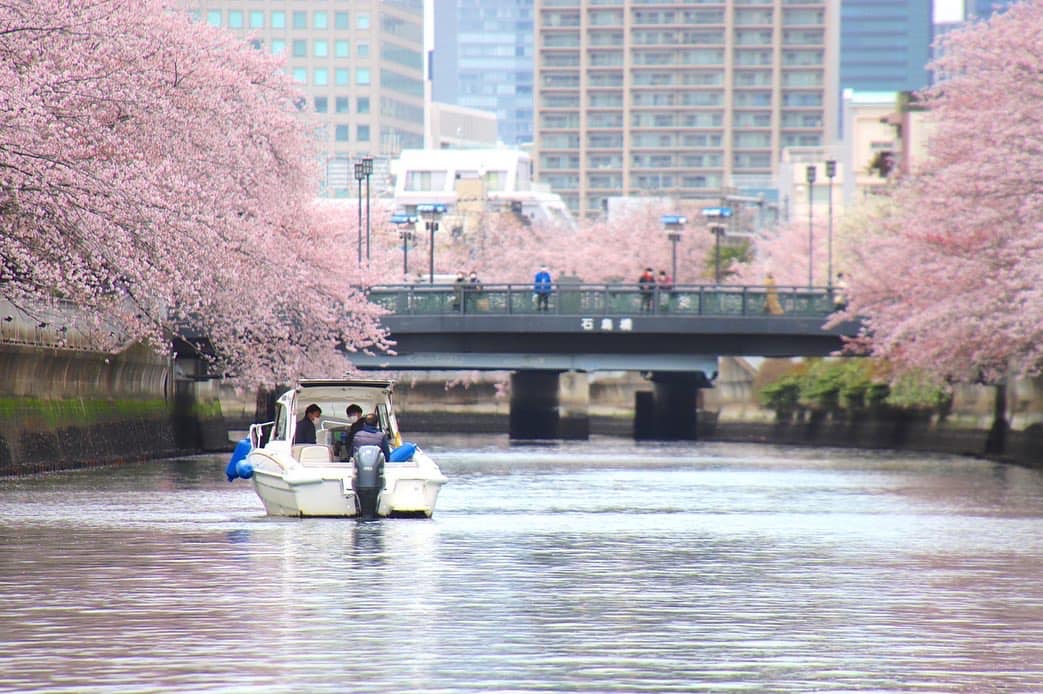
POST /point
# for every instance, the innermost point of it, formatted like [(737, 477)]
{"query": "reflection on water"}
[(597, 566)]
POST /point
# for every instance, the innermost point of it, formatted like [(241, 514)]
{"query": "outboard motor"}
[(369, 479)]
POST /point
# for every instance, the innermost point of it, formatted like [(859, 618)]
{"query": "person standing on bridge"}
[(771, 296), (542, 285), (646, 283), (458, 290), (666, 288)]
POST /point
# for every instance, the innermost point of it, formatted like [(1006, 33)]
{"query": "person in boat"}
[(342, 442), (371, 435), (305, 432)]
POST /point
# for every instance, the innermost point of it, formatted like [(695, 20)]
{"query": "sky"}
[(948, 10)]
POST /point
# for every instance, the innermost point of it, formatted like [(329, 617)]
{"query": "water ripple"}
[(581, 567)]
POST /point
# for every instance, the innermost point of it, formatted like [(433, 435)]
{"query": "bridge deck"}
[(595, 327)]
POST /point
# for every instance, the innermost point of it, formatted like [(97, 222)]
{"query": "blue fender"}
[(242, 449)]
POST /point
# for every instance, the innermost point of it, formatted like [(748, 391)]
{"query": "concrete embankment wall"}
[(1001, 423), (63, 408)]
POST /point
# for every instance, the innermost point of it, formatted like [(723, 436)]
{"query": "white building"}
[(475, 180)]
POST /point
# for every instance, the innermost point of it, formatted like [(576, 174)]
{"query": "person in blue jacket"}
[(542, 285), (371, 435)]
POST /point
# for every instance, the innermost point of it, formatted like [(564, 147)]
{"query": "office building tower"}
[(885, 45), (983, 9), (483, 59), (360, 63), (664, 99)]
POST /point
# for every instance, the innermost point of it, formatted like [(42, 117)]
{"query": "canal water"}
[(601, 566)]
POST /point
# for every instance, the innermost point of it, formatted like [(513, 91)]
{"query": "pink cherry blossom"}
[(155, 172)]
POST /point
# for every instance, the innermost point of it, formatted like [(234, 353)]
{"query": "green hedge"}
[(853, 385)]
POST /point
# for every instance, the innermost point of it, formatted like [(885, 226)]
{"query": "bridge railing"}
[(602, 299)]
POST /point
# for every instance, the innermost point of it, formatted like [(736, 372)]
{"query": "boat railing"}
[(258, 435)]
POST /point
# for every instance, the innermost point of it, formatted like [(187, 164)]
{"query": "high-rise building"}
[(360, 62), (665, 99), (885, 45), (483, 59)]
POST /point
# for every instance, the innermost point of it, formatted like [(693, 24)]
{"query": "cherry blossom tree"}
[(950, 277), (155, 172)]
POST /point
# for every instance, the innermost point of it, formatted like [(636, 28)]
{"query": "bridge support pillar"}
[(549, 405), (669, 411), (574, 405)]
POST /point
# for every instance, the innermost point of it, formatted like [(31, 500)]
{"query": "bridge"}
[(673, 336)]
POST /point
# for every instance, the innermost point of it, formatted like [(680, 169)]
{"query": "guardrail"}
[(603, 299)]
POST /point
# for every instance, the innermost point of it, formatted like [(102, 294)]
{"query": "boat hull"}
[(288, 489)]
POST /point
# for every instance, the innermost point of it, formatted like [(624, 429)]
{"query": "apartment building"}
[(360, 62), (637, 97)]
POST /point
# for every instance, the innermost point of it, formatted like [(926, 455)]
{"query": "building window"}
[(341, 133), (300, 48), (278, 19), (341, 104), (320, 48), (213, 18), (321, 77), (300, 20), (362, 75), (362, 133), (362, 21), (235, 19), (362, 50), (300, 75), (340, 20), (425, 181), (340, 76), (257, 19), (320, 20), (278, 47), (362, 104), (321, 104), (341, 49)]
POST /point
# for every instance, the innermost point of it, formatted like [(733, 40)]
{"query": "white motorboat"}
[(325, 479)]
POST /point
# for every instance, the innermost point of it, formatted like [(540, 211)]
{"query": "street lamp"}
[(430, 212), (367, 171), (406, 224), (358, 181), (809, 173), (673, 223), (718, 230), (831, 171)]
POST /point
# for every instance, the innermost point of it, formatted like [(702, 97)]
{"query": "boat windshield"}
[(334, 400)]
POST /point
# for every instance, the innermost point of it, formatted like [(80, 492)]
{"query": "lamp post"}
[(367, 171), (673, 223), (809, 173), (430, 212), (358, 180), (831, 171), (406, 224), (718, 229)]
